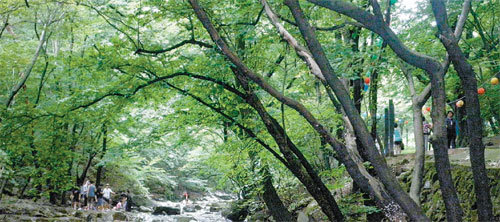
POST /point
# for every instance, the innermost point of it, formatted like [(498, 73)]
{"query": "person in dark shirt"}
[(427, 127), (100, 199), (450, 129), (75, 199)]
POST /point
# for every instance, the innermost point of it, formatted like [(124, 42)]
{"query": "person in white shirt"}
[(107, 194), (83, 192)]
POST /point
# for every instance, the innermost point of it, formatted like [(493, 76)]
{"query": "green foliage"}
[(94, 72)]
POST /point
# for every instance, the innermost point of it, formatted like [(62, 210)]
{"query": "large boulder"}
[(164, 210)]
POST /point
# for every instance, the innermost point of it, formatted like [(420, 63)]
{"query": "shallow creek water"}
[(205, 210)]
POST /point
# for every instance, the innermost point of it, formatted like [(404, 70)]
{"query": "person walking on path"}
[(451, 130)]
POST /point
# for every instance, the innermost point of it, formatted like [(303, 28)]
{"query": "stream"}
[(208, 208)]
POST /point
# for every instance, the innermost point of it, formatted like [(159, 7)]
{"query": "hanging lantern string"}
[(480, 86), (456, 100)]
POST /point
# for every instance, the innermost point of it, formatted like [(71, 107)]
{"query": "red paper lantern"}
[(406, 122), (367, 80), (428, 109), (460, 103), (481, 91)]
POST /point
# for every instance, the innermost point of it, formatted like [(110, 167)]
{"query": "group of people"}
[(90, 197), (451, 131)]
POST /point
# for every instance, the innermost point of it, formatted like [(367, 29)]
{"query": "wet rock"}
[(214, 207), (145, 209), (223, 196), (302, 217), (119, 216), (185, 219), (189, 208), (163, 210), (197, 207)]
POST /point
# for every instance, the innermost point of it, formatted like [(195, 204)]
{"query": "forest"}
[(250, 110)]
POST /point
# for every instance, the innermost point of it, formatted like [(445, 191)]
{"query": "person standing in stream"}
[(186, 195)]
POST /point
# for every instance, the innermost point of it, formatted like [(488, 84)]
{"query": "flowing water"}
[(205, 210)]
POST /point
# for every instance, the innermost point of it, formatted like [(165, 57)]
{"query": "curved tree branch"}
[(178, 45), (30, 66), (377, 25)]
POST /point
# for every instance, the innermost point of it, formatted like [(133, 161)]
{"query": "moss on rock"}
[(432, 202)]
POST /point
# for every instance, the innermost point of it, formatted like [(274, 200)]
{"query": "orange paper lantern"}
[(460, 103), (367, 80), (481, 91), (494, 81)]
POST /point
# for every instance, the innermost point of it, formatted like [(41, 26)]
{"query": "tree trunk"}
[(81, 178), (472, 107), (391, 120), (373, 102), (298, 165), (386, 132), (356, 169), (104, 147), (273, 201), (439, 143), (21, 193), (418, 102), (418, 167)]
